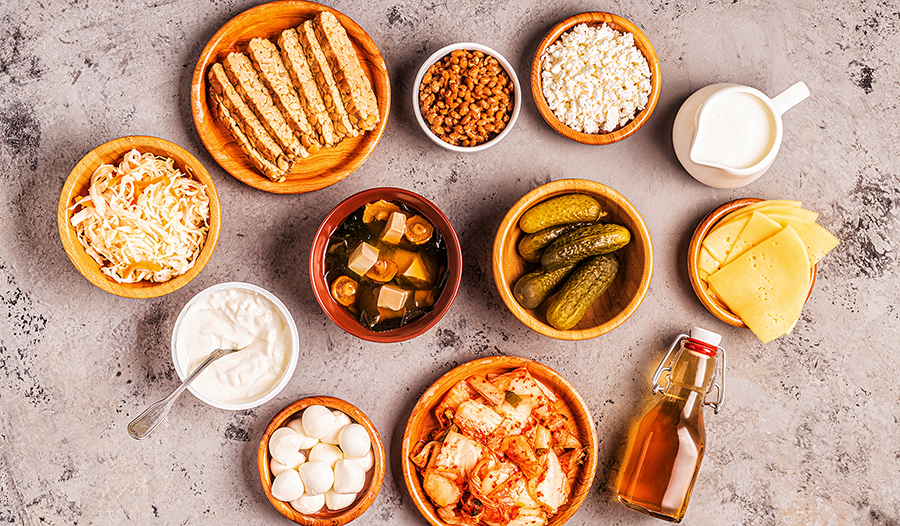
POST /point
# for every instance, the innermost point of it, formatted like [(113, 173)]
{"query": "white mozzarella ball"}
[(349, 477), (306, 440), (317, 421), (286, 448), (325, 453), (340, 422), (277, 468), (279, 433), (366, 462), (355, 441), (298, 459), (338, 501), (287, 486), (308, 504), (317, 476)]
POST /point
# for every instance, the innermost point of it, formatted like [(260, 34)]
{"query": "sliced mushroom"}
[(418, 230), (379, 211), (383, 271), (343, 290)]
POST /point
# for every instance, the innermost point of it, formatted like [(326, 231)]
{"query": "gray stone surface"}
[(810, 431)]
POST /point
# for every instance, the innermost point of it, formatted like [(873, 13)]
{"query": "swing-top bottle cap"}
[(705, 336)]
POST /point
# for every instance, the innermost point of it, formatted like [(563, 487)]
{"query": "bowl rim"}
[(343, 516), (596, 18), (439, 54), (286, 375), (717, 308), (348, 323), (86, 265), (510, 362), (510, 222)]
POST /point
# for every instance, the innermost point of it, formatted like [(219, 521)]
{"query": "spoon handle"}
[(146, 422)]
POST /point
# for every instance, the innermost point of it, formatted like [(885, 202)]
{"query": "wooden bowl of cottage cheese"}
[(569, 52)]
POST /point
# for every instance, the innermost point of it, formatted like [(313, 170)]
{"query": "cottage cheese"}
[(595, 78)]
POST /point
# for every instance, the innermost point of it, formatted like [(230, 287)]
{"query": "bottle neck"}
[(692, 369)]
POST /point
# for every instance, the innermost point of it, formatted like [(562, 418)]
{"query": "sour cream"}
[(236, 317), (735, 130)]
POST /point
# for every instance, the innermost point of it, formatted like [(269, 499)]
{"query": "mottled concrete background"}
[(810, 431)]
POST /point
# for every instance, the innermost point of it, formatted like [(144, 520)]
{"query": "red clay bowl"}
[(338, 313)]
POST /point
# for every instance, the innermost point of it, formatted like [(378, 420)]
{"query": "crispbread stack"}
[(282, 103)]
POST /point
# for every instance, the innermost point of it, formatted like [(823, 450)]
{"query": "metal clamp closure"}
[(665, 366)]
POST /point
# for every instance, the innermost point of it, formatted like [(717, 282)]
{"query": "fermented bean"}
[(465, 97)]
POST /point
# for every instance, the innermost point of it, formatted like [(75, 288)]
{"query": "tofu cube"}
[(395, 228), (363, 258), (392, 297)]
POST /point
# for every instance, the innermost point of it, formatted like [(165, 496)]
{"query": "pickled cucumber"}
[(532, 289), (568, 208), (532, 246), (589, 280), (585, 242)]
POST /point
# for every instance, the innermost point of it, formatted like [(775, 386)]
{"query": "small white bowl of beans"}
[(466, 97)]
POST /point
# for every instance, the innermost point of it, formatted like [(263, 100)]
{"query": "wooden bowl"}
[(77, 185), (422, 421), (328, 165), (713, 304), (374, 477), (439, 55), (338, 313), (628, 289), (640, 41)]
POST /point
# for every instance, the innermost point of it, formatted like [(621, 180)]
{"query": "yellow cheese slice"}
[(719, 240), (749, 209), (772, 211), (818, 240), (766, 284), (706, 262), (758, 228)]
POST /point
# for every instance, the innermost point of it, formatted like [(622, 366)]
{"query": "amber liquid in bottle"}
[(665, 454)]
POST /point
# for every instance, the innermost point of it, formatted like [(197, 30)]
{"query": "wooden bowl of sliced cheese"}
[(752, 263)]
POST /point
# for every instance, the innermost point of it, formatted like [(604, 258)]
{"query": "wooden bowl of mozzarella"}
[(291, 416), (568, 402), (77, 185)]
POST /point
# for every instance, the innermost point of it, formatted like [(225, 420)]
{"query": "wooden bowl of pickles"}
[(572, 259), (385, 265)]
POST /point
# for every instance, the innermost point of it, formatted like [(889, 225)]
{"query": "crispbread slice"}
[(255, 132), (318, 65), (271, 70), (267, 168), (248, 84), (294, 59), (356, 90)]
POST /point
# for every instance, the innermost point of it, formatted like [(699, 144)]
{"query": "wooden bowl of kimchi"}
[(112, 153), (543, 465)]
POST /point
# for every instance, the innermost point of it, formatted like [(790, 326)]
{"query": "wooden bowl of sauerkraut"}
[(499, 439), (139, 216)]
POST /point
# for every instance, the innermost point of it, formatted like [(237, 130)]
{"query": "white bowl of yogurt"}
[(233, 316)]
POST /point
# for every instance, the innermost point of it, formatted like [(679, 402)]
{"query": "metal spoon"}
[(146, 422)]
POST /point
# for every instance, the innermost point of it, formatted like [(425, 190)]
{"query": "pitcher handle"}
[(790, 97)]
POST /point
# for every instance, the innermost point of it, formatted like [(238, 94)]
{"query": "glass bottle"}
[(664, 455)]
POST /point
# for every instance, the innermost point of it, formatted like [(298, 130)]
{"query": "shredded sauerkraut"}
[(142, 220)]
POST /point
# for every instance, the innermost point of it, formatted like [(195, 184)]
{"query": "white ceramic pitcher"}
[(727, 135)]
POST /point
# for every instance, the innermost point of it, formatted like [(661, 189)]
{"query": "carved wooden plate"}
[(596, 19), (77, 185), (615, 305), (374, 477), (422, 421), (328, 165)]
